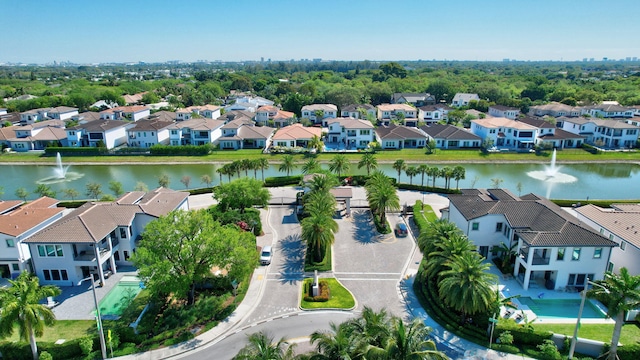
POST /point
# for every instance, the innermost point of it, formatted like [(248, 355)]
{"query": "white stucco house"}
[(353, 133), (606, 133), (390, 112), (353, 111), (462, 99), (55, 113), (243, 133), (274, 116), (98, 236), (112, 133), (504, 111), (18, 221), (198, 131), (131, 113), (505, 133), (400, 137), (554, 250), (36, 136), (147, 133), (205, 111), (328, 111), (451, 137)]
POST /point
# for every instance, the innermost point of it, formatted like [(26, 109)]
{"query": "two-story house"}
[(205, 111), (554, 109), (18, 222), (432, 114), (451, 137), (98, 236), (243, 134), (554, 249), (130, 113), (353, 133), (247, 103), (406, 114), (147, 133), (317, 113), (504, 111), (274, 116), (550, 135), (55, 113), (606, 133), (400, 137), (358, 111), (110, 133), (607, 111), (415, 99), (462, 99), (199, 131), (505, 133), (37, 136)]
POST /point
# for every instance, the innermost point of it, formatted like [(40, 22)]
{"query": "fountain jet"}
[(60, 171)]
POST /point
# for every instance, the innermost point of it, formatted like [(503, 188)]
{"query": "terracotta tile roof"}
[(28, 216), (498, 122), (9, 205), (281, 114), (398, 132), (351, 123), (396, 107), (93, 221), (622, 220), (297, 132)]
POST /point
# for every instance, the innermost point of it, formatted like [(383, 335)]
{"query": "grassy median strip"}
[(340, 297), (598, 332)]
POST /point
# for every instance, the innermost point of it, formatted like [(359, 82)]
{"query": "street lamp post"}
[(583, 298), (103, 347)]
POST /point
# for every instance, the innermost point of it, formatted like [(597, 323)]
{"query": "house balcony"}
[(538, 259)]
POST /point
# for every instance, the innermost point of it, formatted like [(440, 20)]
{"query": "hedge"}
[(418, 217), (324, 295), (404, 186), (22, 350), (282, 180), (184, 150), (521, 334), (75, 151)]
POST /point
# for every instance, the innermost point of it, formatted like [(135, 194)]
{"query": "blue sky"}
[(90, 31)]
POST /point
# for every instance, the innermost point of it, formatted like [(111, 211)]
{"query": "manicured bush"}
[(418, 217), (86, 345), (549, 350), (45, 356), (76, 151), (184, 150), (414, 187), (324, 265), (325, 293), (282, 180)]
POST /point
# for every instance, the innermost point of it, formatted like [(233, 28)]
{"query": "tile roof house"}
[(111, 133), (328, 111), (146, 133), (205, 111), (242, 133), (432, 114), (133, 99), (554, 109), (415, 99), (350, 132), (505, 133), (400, 137), (131, 113), (605, 133), (555, 250), (451, 137), (608, 111), (18, 221), (552, 136), (353, 111), (504, 111), (37, 136), (621, 224), (247, 103), (462, 99), (237, 114), (55, 113), (98, 236), (390, 112), (295, 135), (163, 116), (274, 116), (86, 116), (198, 131)]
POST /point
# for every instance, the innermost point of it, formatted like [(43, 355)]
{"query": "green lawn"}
[(341, 298), (599, 332), (429, 214), (63, 329)]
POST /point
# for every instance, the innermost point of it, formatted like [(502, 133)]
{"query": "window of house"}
[(475, 226), (123, 233), (601, 231), (499, 227), (576, 254), (623, 245), (126, 255), (597, 253), (15, 267), (11, 243), (560, 256), (610, 236), (610, 267), (50, 251)]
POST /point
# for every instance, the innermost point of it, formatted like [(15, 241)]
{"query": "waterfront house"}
[(451, 137), (295, 135), (317, 113), (242, 133), (505, 133), (37, 136), (350, 132), (199, 131), (606, 133), (147, 133), (110, 133), (400, 137)]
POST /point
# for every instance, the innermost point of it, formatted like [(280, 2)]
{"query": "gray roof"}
[(448, 132), (150, 125), (537, 122), (101, 125), (622, 220), (561, 135), (398, 132), (536, 220), (503, 108), (355, 107), (411, 97)]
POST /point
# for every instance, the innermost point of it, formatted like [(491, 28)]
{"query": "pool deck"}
[(76, 302), (509, 286)]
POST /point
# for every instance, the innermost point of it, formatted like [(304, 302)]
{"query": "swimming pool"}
[(561, 308), (120, 297)]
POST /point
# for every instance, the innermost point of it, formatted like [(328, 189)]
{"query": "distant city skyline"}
[(86, 32)]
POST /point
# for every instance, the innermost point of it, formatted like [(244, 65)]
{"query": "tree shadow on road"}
[(291, 218), (293, 251), (364, 229)]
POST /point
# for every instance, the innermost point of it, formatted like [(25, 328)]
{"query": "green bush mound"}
[(184, 150), (340, 297), (282, 181), (324, 265), (325, 292)]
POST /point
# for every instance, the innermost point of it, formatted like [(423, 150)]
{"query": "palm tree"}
[(447, 173), (339, 164), (288, 164), (262, 347), (369, 162), (458, 174), (382, 195), (371, 328), (408, 342), (236, 167), (320, 201), (316, 143), (399, 165), (323, 183), (319, 228), (222, 171), (620, 293), (439, 230), (445, 251), (337, 343), (310, 166), (245, 164), (434, 172), (262, 164), (411, 171), (422, 169), (21, 306), (227, 169), (467, 286)]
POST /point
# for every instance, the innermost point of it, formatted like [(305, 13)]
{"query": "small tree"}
[(116, 187), (241, 194), (93, 190), (495, 183), (163, 180), (141, 186), (186, 180), (22, 193), (71, 193), (206, 179), (44, 190)]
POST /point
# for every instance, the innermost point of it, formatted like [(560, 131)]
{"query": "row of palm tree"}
[(452, 262), (319, 227), (372, 335), (381, 195), (447, 173), (237, 166)]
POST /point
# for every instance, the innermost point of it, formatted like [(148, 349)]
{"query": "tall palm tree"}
[(288, 164), (316, 143), (254, 166), (467, 286), (382, 195), (310, 166), (422, 169), (337, 343), (458, 174), (371, 328), (620, 293), (318, 231), (447, 173), (411, 171), (323, 183), (262, 347), (225, 170), (369, 162), (21, 306), (439, 230), (245, 164), (236, 167), (409, 342), (320, 201), (446, 250), (339, 164), (434, 172), (262, 164), (399, 165)]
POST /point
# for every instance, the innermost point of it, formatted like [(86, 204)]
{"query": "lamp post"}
[(103, 347), (574, 339)]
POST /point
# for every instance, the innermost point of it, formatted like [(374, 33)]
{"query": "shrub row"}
[(22, 350), (601, 203), (418, 217), (522, 335), (404, 186), (324, 295), (629, 351), (282, 180), (75, 151), (185, 150), (131, 151), (324, 265), (590, 148)]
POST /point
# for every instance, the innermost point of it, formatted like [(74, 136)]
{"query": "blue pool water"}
[(561, 308), (120, 297)]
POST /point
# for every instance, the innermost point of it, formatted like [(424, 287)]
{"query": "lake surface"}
[(594, 181)]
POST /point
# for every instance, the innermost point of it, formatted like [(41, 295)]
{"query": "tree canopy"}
[(241, 194)]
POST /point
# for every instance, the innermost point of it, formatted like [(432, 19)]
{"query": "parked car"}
[(401, 230), (266, 255)]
